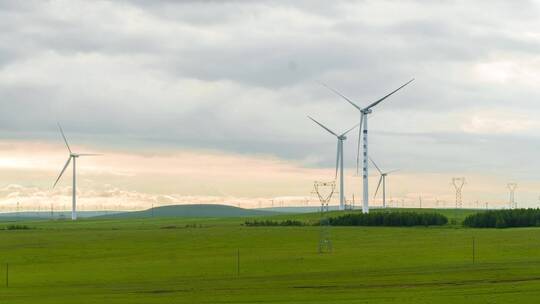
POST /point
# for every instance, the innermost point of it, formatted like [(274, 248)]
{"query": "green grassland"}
[(194, 260)]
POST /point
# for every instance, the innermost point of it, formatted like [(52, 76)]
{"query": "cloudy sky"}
[(206, 101)]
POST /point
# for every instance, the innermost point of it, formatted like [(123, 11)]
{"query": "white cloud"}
[(510, 70), (500, 122)]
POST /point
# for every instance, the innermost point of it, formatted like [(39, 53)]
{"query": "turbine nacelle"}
[(83, 154), (366, 111)]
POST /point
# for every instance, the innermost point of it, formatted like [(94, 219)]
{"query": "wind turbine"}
[(73, 156), (339, 159), (383, 180), (363, 130)]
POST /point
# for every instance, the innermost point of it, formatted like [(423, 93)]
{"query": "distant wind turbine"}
[(339, 159), (383, 180), (364, 130), (73, 156)]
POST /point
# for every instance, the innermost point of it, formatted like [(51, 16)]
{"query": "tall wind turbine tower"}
[(363, 137), (383, 180), (72, 156), (339, 160), (512, 188)]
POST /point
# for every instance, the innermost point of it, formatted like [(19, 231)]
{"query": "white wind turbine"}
[(339, 160), (383, 180), (364, 130), (73, 156)]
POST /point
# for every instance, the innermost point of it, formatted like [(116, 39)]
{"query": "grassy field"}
[(181, 260)]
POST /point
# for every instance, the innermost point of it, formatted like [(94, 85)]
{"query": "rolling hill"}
[(200, 210)]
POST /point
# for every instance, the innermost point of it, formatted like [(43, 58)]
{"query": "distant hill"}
[(201, 210)]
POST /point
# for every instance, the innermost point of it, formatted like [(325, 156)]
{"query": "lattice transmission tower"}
[(458, 183), (324, 191), (512, 197)]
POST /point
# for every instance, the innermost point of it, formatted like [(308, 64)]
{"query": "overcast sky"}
[(162, 82)]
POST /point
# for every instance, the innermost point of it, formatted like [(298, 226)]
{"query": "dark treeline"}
[(393, 218), (256, 223), (17, 227), (504, 218)]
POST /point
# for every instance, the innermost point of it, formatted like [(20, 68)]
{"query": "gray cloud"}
[(241, 76)]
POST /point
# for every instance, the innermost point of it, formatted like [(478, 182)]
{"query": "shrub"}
[(185, 226), (169, 227), (504, 218), (256, 223), (17, 227), (391, 218)]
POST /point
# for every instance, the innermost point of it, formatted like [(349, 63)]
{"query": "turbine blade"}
[(65, 140), (342, 96), (378, 169), (320, 124), (380, 180), (89, 154), (353, 127), (359, 143), (378, 101), (62, 172), (337, 157)]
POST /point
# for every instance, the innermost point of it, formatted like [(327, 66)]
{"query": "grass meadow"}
[(216, 260)]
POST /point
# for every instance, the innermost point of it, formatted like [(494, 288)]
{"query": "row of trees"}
[(391, 218), (256, 223), (487, 219), (17, 227), (504, 218)]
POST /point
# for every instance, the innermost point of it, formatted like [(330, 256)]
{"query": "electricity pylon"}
[(324, 191), (458, 183), (512, 188)]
